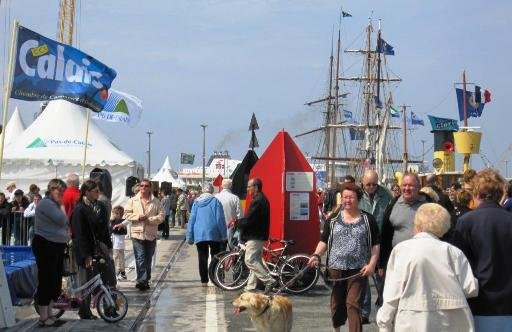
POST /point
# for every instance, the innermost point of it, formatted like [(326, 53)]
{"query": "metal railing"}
[(16, 229)]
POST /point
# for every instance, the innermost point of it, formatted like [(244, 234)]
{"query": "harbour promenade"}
[(178, 302)]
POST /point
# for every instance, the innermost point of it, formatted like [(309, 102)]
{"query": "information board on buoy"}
[(299, 181), (299, 206)]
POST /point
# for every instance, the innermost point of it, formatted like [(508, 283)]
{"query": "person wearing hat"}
[(18, 206), (9, 191)]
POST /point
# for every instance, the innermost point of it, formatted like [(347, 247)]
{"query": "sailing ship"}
[(368, 137)]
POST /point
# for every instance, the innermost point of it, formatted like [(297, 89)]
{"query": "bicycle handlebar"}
[(285, 242)]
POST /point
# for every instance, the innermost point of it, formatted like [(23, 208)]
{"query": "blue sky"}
[(217, 62)]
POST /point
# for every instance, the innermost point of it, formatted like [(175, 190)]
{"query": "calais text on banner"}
[(443, 124), (46, 70)]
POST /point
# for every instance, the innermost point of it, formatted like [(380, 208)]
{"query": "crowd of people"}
[(437, 256), (77, 232)]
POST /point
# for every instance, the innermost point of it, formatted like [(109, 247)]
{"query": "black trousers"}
[(6, 230), (49, 259), (202, 253), (172, 218), (165, 227)]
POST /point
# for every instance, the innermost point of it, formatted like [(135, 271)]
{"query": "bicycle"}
[(111, 304), (232, 245), (231, 273)]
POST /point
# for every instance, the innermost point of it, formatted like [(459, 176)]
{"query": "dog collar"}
[(266, 307)]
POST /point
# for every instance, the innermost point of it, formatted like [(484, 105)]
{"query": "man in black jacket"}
[(254, 231)]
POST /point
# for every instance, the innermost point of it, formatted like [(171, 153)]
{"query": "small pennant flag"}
[(415, 120), (383, 47), (121, 107), (356, 134), (187, 158), (394, 112), (345, 14), (347, 114), (473, 109)]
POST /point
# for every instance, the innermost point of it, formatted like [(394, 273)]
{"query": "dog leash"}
[(292, 280), (341, 279)]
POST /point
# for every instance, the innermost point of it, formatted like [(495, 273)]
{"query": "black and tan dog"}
[(268, 313)]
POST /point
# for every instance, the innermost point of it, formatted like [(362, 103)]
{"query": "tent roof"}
[(58, 136), (14, 127), (167, 174)]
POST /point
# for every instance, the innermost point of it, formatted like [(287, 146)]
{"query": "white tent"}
[(53, 146), (167, 174), (14, 128)]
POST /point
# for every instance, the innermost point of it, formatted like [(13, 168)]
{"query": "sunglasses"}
[(144, 185)]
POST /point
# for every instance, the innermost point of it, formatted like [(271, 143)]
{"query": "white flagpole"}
[(8, 88), (86, 143)]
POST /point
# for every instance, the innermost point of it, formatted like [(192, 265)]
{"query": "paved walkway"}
[(26, 317), (178, 301), (184, 305)]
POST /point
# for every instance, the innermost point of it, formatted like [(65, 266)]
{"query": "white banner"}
[(121, 107)]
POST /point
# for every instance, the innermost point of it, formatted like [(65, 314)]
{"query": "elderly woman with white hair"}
[(427, 280), (206, 228)]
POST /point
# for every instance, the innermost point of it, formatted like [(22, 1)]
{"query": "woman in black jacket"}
[(90, 233)]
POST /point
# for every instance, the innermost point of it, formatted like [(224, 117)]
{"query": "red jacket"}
[(69, 199)]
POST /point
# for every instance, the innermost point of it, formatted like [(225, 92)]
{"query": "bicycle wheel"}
[(293, 265), (213, 263), (231, 272), (112, 314)]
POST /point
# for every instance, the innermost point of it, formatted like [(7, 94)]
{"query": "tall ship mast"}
[(367, 137)]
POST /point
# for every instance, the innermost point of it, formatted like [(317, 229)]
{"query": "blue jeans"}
[(143, 251), (366, 298), (493, 323)]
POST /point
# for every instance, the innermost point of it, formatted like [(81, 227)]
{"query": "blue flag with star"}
[(473, 108), (383, 47)]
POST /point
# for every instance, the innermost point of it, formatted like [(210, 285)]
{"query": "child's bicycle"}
[(111, 304)]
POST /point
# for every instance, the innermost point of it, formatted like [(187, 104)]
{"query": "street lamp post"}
[(422, 155), (204, 153), (149, 132)]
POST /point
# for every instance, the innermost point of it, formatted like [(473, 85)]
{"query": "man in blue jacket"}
[(207, 229), (254, 230)]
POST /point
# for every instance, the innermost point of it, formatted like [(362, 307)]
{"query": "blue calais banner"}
[(443, 124), (46, 70)]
